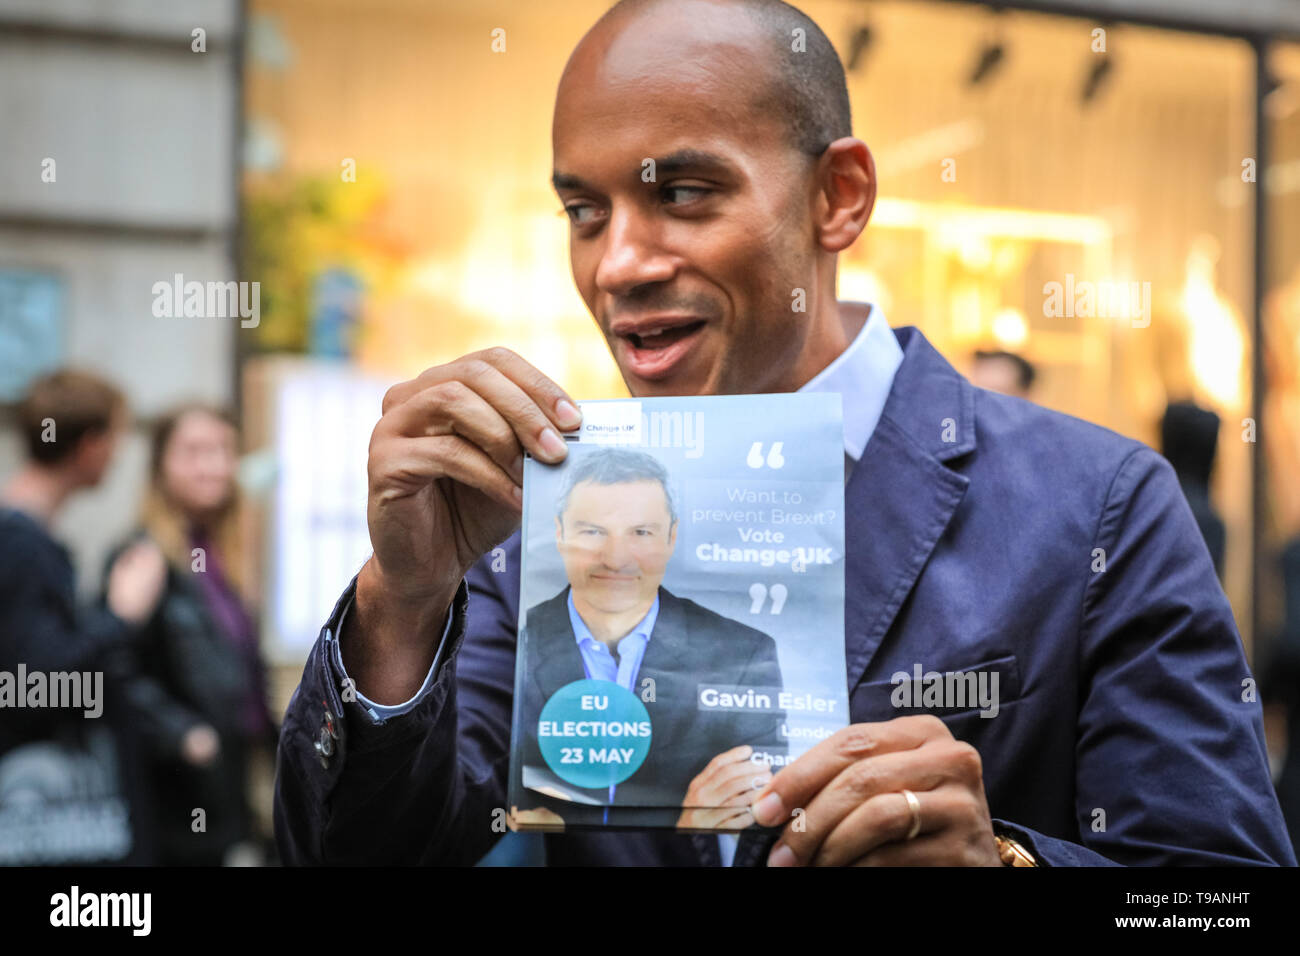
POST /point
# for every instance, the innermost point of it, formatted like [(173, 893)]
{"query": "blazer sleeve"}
[(425, 787), (1171, 764)]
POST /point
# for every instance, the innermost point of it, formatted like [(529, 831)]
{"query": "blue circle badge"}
[(594, 733)]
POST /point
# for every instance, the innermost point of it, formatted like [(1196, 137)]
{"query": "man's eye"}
[(675, 195), (580, 214)]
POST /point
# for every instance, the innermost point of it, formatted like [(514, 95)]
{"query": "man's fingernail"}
[(568, 414), (769, 810), (552, 444), (782, 855)]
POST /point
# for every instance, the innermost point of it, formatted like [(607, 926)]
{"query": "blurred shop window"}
[(31, 328), (317, 416)]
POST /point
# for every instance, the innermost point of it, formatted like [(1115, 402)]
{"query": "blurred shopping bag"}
[(61, 802)]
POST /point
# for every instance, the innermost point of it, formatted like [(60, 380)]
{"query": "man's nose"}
[(632, 256), (617, 555)]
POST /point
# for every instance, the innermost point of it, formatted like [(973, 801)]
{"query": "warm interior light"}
[(1010, 328), (1216, 344)]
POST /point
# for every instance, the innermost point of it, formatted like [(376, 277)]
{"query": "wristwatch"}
[(1012, 853)]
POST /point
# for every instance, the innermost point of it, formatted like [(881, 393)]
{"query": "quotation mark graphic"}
[(758, 594), (774, 457)]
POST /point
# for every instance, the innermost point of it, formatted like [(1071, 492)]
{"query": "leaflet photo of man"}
[(616, 527)]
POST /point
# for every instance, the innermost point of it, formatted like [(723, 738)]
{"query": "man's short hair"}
[(616, 466), (1025, 371), (807, 86), (78, 403)]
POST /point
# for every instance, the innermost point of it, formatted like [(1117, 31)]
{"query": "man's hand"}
[(849, 788), (720, 795), (445, 476)]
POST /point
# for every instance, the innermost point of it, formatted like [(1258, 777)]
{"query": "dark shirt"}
[(45, 629), (41, 624)]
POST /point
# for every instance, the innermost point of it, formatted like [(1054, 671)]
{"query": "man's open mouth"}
[(652, 348), (663, 337)]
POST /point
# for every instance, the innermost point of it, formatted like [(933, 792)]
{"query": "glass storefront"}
[(1080, 194)]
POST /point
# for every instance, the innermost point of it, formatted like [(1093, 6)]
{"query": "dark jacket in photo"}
[(691, 646)]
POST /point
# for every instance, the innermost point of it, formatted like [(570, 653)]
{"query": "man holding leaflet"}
[(973, 524)]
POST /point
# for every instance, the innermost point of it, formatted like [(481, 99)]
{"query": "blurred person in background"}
[(201, 645), (1004, 372), (1189, 438), (68, 780)]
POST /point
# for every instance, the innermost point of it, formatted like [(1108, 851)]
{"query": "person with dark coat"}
[(201, 645), (1189, 438), (69, 775)]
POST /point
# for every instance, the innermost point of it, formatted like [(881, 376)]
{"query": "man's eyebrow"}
[(561, 180), (687, 159), (682, 160)]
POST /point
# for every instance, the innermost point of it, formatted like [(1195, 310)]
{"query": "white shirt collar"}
[(863, 374)]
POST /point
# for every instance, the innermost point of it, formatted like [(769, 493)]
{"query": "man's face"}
[(691, 276), (615, 541)]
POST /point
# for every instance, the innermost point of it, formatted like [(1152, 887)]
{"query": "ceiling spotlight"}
[(992, 53), (1097, 76), (989, 59)]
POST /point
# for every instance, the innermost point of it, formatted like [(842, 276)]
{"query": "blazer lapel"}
[(902, 494), (669, 641), (899, 501), (557, 659)]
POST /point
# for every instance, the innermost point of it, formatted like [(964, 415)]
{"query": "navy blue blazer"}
[(983, 533)]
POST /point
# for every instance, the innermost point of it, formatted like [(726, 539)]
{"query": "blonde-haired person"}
[(201, 645)]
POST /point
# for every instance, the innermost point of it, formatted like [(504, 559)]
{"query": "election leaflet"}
[(681, 616)]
